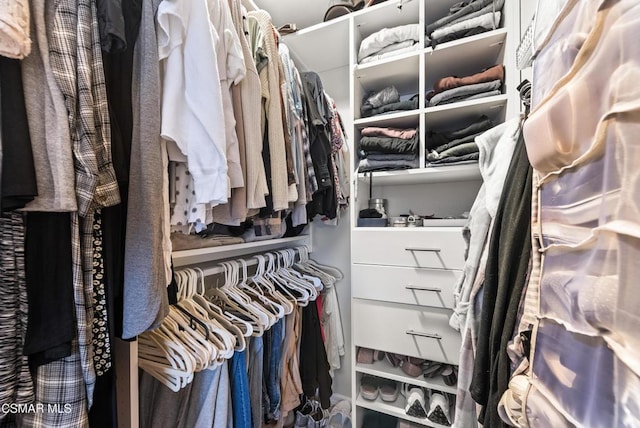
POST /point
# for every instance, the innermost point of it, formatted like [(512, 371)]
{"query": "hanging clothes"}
[(192, 108), (48, 120), (147, 264), (261, 30), (17, 384)]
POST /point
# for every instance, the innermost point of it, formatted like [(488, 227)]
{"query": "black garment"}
[(378, 420), (389, 145), (112, 25), (267, 210), (49, 276), (314, 366), (18, 171), (118, 69), (438, 138), (505, 276), (319, 117), (377, 99), (410, 104)]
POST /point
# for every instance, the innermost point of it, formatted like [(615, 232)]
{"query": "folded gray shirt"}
[(459, 150), (465, 91)]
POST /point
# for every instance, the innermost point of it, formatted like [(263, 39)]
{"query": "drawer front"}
[(414, 286), (406, 330), (412, 247)]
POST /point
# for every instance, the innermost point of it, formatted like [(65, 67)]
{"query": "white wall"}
[(332, 244)]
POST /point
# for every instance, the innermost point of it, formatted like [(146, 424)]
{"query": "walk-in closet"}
[(310, 213)]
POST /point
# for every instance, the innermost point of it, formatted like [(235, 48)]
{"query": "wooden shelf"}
[(402, 71), (440, 174), (396, 409), (401, 119), (202, 255), (385, 370)]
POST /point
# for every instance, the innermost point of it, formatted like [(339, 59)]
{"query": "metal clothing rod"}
[(216, 268)]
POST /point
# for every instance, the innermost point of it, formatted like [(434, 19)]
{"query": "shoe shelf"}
[(384, 370), (395, 408)]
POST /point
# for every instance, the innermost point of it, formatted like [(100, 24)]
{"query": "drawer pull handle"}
[(429, 335), (430, 250), (414, 287)]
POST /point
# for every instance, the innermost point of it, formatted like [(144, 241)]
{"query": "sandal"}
[(369, 387), (389, 390), (392, 359)]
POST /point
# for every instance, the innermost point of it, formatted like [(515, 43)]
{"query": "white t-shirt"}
[(192, 107)]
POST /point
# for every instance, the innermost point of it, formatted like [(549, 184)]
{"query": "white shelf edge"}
[(320, 26), (382, 369), (395, 408), (432, 174), (201, 255), (373, 64), (465, 40), (372, 120), (462, 104)]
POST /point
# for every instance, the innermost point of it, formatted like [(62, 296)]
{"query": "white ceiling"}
[(303, 13)]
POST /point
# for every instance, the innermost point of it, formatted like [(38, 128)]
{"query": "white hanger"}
[(260, 281), (215, 313)]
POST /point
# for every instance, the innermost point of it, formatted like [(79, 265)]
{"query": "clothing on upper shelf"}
[(388, 149), (389, 39), (392, 50), (467, 93), (476, 24), (386, 100), (390, 145), (441, 140), (458, 146), (454, 89), (490, 74), (464, 11)]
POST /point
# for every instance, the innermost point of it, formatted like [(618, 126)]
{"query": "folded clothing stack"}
[(385, 101), (458, 146), (383, 149), (454, 89), (388, 42), (465, 18)]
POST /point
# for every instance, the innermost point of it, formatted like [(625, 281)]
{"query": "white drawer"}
[(414, 286), (437, 248), (406, 330)]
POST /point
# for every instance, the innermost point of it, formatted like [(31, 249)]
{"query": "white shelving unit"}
[(443, 191)]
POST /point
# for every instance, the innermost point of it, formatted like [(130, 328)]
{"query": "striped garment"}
[(76, 62), (16, 385)]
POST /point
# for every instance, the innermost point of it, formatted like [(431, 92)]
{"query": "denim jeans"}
[(255, 380), (240, 391), (273, 371)]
